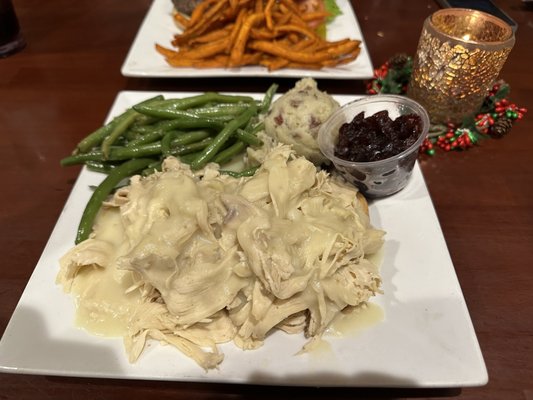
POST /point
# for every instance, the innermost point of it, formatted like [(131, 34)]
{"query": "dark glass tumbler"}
[(11, 39)]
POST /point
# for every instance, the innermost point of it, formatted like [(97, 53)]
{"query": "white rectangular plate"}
[(426, 338), (158, 27)]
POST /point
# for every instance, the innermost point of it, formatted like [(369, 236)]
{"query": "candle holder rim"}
[(510, 37)]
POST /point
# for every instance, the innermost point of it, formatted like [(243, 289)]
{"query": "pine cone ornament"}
[(501, 127), (399, 61)]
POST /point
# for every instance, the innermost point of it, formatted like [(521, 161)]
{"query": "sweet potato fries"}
[(272, 33)]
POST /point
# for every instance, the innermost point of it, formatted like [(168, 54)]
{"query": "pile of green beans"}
[(210, 127)]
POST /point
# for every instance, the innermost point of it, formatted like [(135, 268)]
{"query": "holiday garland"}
[(495, 118)]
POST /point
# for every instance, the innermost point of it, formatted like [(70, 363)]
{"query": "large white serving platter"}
[(426, 338), (158, 27)]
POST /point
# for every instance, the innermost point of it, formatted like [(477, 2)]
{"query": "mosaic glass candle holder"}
[(459, 56)]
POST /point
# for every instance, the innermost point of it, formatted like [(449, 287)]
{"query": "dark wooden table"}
[(62, 85)]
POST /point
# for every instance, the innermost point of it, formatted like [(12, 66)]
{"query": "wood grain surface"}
[(61, 86)]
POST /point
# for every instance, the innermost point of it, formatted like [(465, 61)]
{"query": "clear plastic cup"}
[(375, 178)]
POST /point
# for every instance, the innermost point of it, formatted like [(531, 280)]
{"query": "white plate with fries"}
[(418, 333), (159, 28)]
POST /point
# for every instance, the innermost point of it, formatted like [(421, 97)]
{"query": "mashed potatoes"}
[(295, 118), (200, 260)]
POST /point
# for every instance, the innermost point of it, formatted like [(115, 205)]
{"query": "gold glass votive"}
[(459, 56)]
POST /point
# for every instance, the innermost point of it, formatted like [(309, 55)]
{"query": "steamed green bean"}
[(197, 129)]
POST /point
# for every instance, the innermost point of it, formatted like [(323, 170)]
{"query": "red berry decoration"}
[(484, 122), (427, 147), (465, 138)]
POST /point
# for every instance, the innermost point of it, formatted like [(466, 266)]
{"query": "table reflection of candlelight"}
[(459, 56)]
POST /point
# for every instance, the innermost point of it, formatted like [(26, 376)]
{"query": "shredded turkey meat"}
[(212, 259)]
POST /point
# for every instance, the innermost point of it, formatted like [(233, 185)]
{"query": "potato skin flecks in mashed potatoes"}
[(296, 117)]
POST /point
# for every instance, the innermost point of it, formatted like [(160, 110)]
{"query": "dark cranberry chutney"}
[(377, 153), (377, 137)]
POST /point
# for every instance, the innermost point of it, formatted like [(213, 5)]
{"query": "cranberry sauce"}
[(377, 137)]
